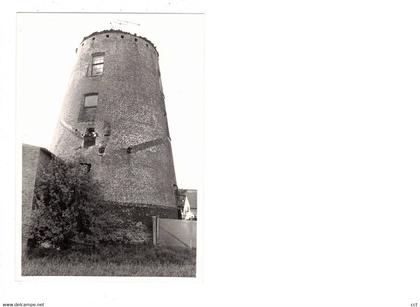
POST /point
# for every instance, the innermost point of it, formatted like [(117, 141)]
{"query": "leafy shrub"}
[(110, 227), (65, 199), (69, 211)]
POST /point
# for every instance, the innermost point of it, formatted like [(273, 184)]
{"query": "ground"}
[(116, 260)]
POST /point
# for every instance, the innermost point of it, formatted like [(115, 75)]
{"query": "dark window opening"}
[(122, 36), (129, 150), (88, 142), (101, 150), (135, 39), (107, 35), (89, 138)]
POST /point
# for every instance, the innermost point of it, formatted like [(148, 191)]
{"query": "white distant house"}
[(187, 203)]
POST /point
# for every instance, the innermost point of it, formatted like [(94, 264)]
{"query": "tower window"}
[(89, 138), (91, 101), (97, 64), (88, 111)]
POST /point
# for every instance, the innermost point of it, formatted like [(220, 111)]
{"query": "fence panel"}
[(173, 232)]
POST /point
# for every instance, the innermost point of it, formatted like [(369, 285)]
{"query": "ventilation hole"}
[(122, 36), (101, 149), (129, 150), (147, 45), (107, 35), (135, 39), (93, 38)]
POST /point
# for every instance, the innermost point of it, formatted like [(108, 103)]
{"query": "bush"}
[(69, 210), (65, 202), (109, 227)]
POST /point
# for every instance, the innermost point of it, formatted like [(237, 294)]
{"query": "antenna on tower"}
[(125, 25)]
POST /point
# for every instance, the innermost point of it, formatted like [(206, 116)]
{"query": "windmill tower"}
[(113, 119)]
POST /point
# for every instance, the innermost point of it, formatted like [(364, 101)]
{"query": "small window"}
[(89, 138), (97, 64), (107, 132), (88, 142), (88, 109), (91, 101)]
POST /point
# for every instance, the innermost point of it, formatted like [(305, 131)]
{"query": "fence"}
[(173, 232)]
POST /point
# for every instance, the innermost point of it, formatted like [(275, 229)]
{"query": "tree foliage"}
[(65, 199), (69, 210)]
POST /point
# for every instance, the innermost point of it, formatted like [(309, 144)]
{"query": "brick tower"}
[(113, 119)]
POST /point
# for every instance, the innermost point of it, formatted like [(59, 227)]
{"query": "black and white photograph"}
[(112, 141), (209, 153)]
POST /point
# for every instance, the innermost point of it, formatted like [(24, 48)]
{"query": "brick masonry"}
[(141, 213), (33, 159)]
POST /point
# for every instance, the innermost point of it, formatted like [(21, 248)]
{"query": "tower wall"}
[(130, 120)]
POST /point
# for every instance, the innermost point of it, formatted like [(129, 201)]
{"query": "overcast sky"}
[(46, 46)]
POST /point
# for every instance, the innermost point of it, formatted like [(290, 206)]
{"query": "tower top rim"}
[(120, 32)]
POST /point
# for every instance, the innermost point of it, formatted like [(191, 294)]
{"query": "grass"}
[(115, 260)]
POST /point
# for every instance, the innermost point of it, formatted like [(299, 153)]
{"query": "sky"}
[(46, 45)]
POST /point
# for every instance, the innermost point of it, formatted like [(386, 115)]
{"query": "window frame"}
[(88, 95), (87, 113), (93, 64)]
